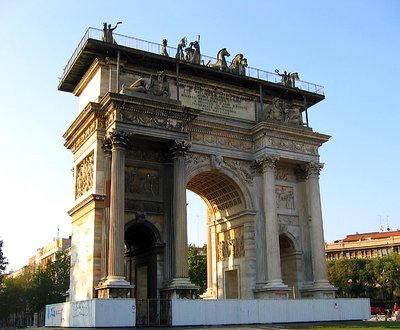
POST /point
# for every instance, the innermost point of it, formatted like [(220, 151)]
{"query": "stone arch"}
[(220, 192), (208, 166), (144, 251)]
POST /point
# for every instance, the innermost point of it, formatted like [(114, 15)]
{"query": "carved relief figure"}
[(162, 86), (142, 181), (280, 110), (294, 115), (231, 243), (275, 111), (221, 61), (284, 197), (159, 87), (84, 176)]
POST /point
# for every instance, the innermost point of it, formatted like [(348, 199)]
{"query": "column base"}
[(208, 294), (271, 290), (179, 288), (114, 287), (319, 290)]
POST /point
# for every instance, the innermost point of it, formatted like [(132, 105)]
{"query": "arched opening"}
[(143, 248), (223, 230), (289, 264)]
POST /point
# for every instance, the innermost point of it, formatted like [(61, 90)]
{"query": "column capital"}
[(106, 145), (267, 162), (313, 168), (116, 139), (179, 148)]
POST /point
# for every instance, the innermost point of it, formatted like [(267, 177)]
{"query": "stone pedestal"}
[(271, 292), (179, 288)]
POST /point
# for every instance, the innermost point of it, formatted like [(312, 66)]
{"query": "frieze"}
[(84, 136), (152, 120), (84, 175), (295, 146), (231, 243), (145, 155), (134, 205), (222, 140)]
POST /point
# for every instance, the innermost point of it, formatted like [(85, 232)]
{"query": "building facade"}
[(365, 245)]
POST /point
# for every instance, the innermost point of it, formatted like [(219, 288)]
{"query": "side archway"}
[(289, 263), (144, 251)]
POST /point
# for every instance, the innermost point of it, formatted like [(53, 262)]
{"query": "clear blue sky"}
[(349, 46)]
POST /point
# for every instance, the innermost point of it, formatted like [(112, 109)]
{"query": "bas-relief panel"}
[(142, 181), (231, 243), (84, 175)]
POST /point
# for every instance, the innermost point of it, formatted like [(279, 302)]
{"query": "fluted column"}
[(106, 212), (317, 231), (117, 209), (179, 150), (274, 273)]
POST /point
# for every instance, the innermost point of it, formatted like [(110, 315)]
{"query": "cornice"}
[(83, 126), (85, 202)]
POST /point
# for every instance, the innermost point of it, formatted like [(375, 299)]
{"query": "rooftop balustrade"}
[(147, 46)]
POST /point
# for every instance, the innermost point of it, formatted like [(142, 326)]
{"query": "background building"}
[(46, 254), (365, 245)]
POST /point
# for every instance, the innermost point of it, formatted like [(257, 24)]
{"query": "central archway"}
[(225, 232)]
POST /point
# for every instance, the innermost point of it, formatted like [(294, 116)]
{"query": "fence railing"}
[(152, 47)]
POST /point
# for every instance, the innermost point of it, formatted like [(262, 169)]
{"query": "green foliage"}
[(198, 268), (377, 278), (35, 287), (3, 261)]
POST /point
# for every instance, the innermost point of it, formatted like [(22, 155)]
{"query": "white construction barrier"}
[(92, 313), (222, 312)]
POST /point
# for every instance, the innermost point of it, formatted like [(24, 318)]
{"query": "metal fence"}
[(153, 312), (151, 47)]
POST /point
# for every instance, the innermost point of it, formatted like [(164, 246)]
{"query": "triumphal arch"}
[(154, 121)]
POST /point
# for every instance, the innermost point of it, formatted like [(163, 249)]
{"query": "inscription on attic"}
[(217, 102)]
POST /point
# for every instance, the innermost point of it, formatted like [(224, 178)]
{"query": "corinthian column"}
[(117, 208), (274, 274), (179, 151), (106, 212), (180, 286), (317, 231)]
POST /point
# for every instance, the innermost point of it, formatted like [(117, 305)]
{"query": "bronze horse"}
[(221, 61)]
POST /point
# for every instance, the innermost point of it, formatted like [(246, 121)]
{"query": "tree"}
[(198, 268), (377, 278), (32, 289), (3, 261)]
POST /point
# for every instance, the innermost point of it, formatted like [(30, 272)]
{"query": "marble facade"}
[(143, 136)]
